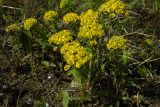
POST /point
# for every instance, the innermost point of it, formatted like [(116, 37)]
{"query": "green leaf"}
[(43, 102), (65, 99), (52, 65), (45, 63), (77, 78)]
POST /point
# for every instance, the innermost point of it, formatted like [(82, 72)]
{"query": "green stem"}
[(89, 74)]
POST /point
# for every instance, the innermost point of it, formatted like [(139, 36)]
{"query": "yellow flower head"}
[(91, 31), (90, 28), (89, 17), (28, 23), (67, 67), (93, 42), (61, 37), (63, 3), (70, 17), (116, 42), (113, 7), (75, 54), (49, 16), (12, 27)]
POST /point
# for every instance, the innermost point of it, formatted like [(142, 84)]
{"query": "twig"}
[(26, 57), (141, 63), (18, 97), (125, 30), (147, 61), (135, 13), (143, 34), (130, 71), (9, 7)]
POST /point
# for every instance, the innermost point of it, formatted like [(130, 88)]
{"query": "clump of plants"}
[(95, 50)]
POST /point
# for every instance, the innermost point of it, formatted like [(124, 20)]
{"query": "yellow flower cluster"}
[(116, 42), (28, 23), (90, 28), (49, 16), (113, 7), (61, 37), (88, 17), (93, 42), (12, 27), (91, 31), (70, 17), (75, 54)]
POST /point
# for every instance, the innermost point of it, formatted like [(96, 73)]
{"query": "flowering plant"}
[(89, 41)]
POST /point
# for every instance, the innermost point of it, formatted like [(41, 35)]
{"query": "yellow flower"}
[(112, 15), (49, 16), (89, 17), (12, 27), (91, 31), (28, 23), (55, 48), (67, 67), (93, 42), (79, 63), (90, 28), (116, 42), (61, 37), (70, 17), (113, 7), (75, 54)]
